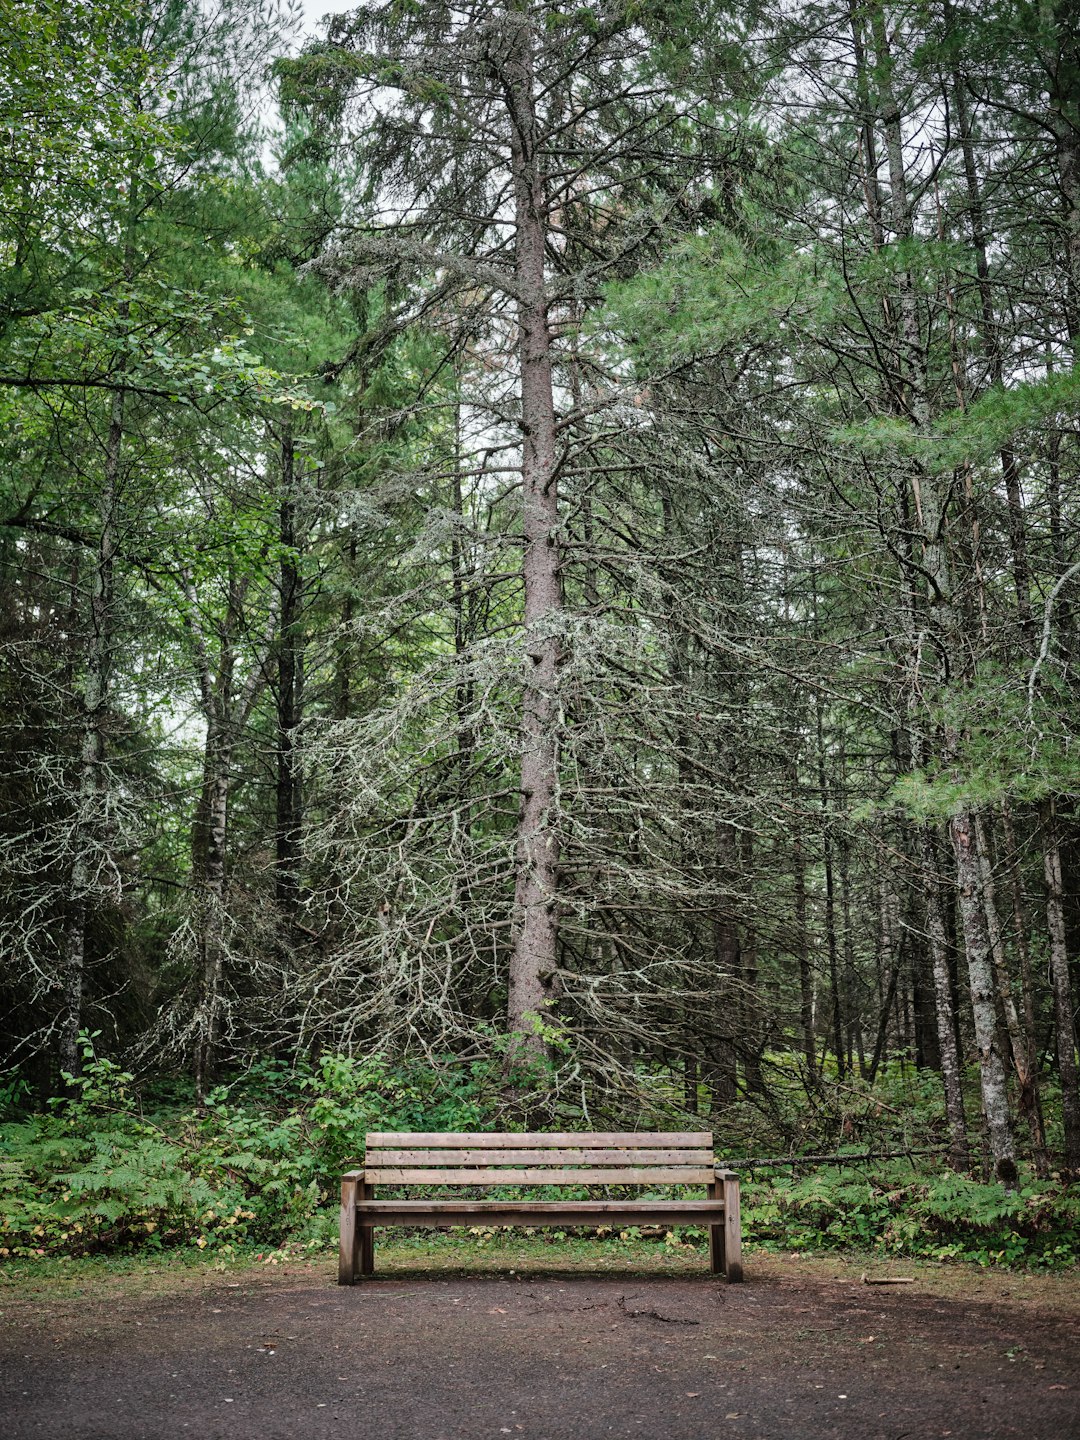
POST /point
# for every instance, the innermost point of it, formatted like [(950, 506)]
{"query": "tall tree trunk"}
[(290, 678), (727, 964), (462, 575), (980, 963), (806, 974), (226, 713), (1064, 1031), (831, 947), (930, 509), (210, 902), (536, 923), (1020, 1043), (951, 1064), (344, 649), (754, 1025), (88, 839), (989, 334)]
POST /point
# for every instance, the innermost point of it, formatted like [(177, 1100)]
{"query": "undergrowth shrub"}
[(96, 1173), (259, 1164), (893, 1211)]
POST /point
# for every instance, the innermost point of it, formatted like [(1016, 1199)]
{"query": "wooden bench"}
[(488, 1160)]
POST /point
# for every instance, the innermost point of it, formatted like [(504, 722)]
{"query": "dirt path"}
[(788, 1356)]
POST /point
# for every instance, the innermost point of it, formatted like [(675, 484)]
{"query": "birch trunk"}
[(951, 1063), (1021, 1041), (930, 510), (1064, 1032), (980, 963)]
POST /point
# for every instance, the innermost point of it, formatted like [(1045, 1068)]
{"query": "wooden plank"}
[(443, 1215), (347, 1228), (733, 1270), (425, 1158), (536, 1139), (553, 1208), (365, 1248), (639, 1175), (716, 1231), (504, 1220)]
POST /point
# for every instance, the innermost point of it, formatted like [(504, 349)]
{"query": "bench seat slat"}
[(518, 1212), (539, 1140), (562, 1175), (428, 1157)]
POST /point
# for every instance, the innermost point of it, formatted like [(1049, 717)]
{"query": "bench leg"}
[(366, 1255), (732, 1228), (347, 1230), (365, 1247), (716, 1234)]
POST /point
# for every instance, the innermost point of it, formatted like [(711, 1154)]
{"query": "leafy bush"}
[(259, 1165), (94, 1173), (894, 1211)]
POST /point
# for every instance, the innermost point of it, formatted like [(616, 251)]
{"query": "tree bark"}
[(831, 947), (210, 904), (87, 836), (806, 974), (290, 679), (1064, 1032), (1010, 472), (951, 1063), (226, 713), (931, 511), (980, 963), (1022, 1047), (536, 925)]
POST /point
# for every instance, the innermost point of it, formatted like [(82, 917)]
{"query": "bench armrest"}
[(728, 1181), (349, 1239)]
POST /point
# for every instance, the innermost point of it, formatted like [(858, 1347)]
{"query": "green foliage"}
[(1008, 747), (972, 435), (96, 1174), (893, 1210), (259, 1165)]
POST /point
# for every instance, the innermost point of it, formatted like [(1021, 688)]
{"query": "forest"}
[(540, 558)]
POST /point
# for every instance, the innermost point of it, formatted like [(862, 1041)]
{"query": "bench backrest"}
[(631, 1158)]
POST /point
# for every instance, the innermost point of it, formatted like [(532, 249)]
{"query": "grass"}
[(50, 1285)]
